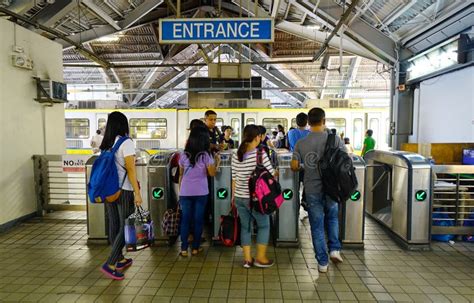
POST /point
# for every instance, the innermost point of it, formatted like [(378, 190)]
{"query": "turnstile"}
[(96, 216), (398, 195), (159, 189), (352, 223), (222, 185), (287, 216), (97, 221)]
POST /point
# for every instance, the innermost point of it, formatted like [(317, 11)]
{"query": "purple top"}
[(194, 182)]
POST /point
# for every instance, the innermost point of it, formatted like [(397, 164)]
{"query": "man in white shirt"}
[(96, 141)]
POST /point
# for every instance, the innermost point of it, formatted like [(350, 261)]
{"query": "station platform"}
[(47, 259)]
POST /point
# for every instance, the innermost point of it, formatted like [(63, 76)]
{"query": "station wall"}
[(444, 109), (27, 127)]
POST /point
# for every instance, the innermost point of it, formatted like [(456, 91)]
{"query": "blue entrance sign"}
[(229, 30)]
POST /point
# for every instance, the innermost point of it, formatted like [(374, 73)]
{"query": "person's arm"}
[(296, 159), (212, 164), (132, 177), (181, 173)]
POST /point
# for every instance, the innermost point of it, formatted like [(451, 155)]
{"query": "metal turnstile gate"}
[(222, 185), (398, 195), (96, 212), (352, 223), (287, 217), (159, 189)]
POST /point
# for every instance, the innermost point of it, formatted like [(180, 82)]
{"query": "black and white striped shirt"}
[(241, 171)]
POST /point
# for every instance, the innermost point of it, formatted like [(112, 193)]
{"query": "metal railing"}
[(55, 188), (453, 200)]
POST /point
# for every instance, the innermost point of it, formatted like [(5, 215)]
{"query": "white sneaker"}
[(335, 256), (323, 268)]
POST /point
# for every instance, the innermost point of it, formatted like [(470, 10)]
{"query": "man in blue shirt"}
[(298, 133)]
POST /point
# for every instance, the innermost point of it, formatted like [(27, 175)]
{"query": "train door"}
[(357, 129), (374, 122)]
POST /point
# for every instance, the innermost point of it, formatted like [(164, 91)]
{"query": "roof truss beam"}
[(130, 19), (100, 13)]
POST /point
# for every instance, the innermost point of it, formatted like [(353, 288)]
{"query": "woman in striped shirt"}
[(243, 164)]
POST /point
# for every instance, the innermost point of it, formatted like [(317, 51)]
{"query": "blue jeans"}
[(322, 209), (192, 209), (246, 215)]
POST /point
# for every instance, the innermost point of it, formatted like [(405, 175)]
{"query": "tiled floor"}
[(48, 260)]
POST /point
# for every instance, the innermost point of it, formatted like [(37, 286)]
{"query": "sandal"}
[(183, 253), (196, 251)]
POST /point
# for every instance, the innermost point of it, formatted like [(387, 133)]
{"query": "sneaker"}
[(264, 265), (123, 265), (335, 256), (322, 268), (111, 273), (248, 264)]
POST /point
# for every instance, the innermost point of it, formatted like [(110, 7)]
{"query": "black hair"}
[(316, 116), (370, 132), (209, 113), (333, 131), (301, 119), (98, 131), (117, 125), (196, 123), (281, 128), (347, 141), (262, 129), (250, 133), (225, 127), (198, 143)]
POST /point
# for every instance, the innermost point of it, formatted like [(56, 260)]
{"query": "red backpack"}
[(265, 191)]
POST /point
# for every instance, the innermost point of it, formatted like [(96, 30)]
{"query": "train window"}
[(338, 123), (358, 134), (235, 124), (271, 124), (148, 128), (250, 121), (374, 126), (77, 128), (101, 123), (293, 123)]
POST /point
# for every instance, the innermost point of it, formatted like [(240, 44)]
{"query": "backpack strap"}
[(119, 143), (330, 143)]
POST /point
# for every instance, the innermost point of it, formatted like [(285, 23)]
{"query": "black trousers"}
[(117, 212)]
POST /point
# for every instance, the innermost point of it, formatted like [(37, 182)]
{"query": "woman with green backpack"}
[(116, 132)]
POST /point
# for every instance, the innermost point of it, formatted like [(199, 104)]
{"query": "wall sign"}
[(225, 30)]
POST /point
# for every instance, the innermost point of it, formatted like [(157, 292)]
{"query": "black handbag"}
[(229, 232)]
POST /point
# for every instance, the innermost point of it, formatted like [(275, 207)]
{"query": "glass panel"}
[(272, 123), (101, 123), (148, 128), (387, 131), (358, 134), (235, 124), (338, 123), (77, 128), (250, 121)]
